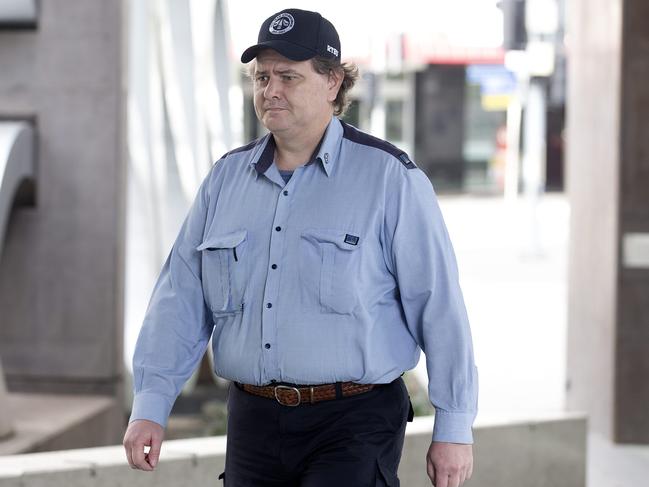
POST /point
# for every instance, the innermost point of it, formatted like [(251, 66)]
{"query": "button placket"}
[(269, 314)]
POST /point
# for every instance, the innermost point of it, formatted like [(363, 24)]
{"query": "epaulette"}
[(352, 133)]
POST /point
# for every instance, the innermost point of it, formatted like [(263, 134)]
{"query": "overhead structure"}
[(18, 14), (16, 166)]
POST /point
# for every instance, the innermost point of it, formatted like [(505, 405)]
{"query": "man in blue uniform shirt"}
[(317, 260)]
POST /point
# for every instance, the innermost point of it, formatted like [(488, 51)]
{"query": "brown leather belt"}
[(296, 395)]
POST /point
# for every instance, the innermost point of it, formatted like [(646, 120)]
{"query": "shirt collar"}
[(326, 152)]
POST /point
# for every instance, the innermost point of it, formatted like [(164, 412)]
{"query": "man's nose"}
[(272, 89)]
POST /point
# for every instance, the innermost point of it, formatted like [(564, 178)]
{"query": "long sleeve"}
[(420, 256), (176, 327)]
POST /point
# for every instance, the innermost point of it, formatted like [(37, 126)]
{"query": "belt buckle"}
[(299, 397)]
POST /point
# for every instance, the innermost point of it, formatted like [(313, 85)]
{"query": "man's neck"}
[(292, 151)]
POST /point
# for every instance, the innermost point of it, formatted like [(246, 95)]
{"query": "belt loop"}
[(339, 390)]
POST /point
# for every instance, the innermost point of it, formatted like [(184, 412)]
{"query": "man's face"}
[(290, 97)]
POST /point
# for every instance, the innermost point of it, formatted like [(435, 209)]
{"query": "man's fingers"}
[(138, 455), (129, 457), (430, 470), (441, 478), (463, 473), (446, 478), (450, 462), (143, 433), (154, 452)]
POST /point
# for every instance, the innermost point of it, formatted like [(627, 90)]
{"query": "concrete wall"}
[(541, 452), (632, 338), (592, 163), (61, 271), (608, 183)]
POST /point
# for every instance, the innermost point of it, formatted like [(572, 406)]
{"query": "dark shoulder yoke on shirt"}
[(243, 148), (352, 133)]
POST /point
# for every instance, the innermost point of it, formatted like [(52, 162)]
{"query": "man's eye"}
[(288, 77), (261, 79)]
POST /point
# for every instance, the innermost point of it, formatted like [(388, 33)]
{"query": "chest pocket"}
[(329, 269), (224, 271)]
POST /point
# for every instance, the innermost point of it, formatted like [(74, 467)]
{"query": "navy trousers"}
[(353, 441)]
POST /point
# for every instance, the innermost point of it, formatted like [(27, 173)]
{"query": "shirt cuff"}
[(453, 427), (151, 406)]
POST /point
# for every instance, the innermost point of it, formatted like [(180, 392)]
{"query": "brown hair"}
[(325, 65)]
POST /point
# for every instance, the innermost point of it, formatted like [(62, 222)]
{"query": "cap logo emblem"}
[(332, 50), (282, 24)]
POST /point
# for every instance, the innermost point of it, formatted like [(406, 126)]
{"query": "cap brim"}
[(286, 49)]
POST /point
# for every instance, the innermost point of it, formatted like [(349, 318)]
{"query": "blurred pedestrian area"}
[(514, 280)]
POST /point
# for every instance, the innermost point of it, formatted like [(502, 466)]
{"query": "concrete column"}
[(61, 269), (6, 429), (632, 334), (608, 181)]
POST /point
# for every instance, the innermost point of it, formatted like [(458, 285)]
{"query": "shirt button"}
[(269, 305), (274, 266), (268, 346), (285, 193), (278, 228)]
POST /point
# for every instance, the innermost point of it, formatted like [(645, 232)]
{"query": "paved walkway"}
[(612, 465), (516, 295)]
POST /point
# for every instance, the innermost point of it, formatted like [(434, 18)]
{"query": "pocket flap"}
[(343, 240), (223, 241)]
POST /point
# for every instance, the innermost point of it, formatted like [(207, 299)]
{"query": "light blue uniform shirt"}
[(345, 273)]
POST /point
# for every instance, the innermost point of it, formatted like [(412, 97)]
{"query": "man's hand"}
[(449, 464), (141, 433)]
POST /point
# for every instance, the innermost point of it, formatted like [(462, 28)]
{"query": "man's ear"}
[(334, 80)]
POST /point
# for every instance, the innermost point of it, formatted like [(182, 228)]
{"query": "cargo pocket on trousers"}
[(224, 266), (385, 477)]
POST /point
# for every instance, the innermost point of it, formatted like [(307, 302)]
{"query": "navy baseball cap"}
[(296, 34)]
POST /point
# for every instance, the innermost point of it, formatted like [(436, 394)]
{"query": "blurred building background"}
[(528, 116)]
